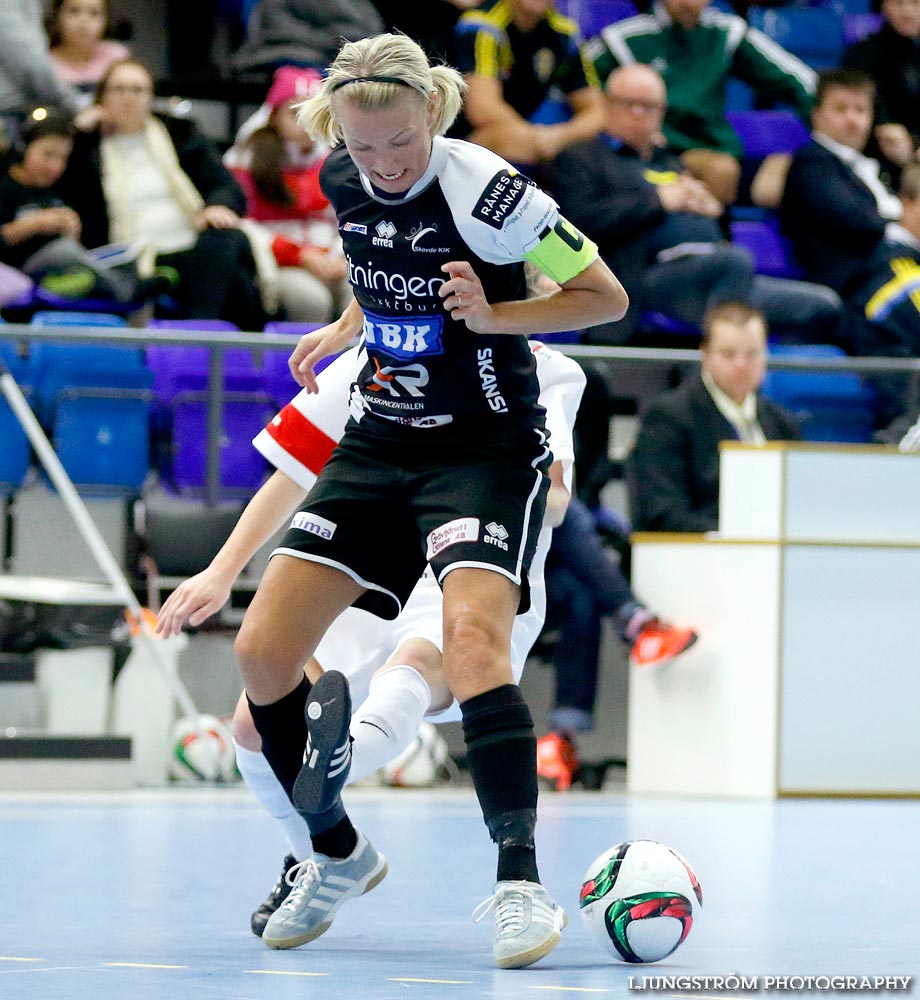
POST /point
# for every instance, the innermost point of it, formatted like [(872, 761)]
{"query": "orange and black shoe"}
[(658, 643), (557, 761)]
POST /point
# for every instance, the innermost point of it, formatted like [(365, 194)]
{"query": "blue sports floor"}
[(148, 894)]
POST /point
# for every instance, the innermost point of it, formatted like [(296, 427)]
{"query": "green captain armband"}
[(562, 252)]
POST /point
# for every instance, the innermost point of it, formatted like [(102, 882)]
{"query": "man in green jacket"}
[(696, 50)]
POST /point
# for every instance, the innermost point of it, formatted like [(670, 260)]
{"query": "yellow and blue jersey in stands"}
[(527, 64)]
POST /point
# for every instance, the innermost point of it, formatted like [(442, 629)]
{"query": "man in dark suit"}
[(673, 470), (843, 221)]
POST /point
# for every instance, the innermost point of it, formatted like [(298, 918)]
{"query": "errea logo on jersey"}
[(495, 534), (385, 232), (315, 524)]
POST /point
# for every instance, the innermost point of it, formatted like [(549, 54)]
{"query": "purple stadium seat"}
[(180, 368), (765, 132), (856, 27), (652, 321), (242, 468), (279, 383), (594, 15), (770, 249)]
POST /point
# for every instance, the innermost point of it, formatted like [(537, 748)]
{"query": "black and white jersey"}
[(425, 369)]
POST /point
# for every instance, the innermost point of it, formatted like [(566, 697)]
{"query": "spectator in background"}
[(841, 218), (513, 53), (697, 50), (40, 233), (158, 183), (584, 585), (657, 226), (431, 23), (891, 57), (80, 52), (303, 32), (277, 165), (27, 77), (673, 469)]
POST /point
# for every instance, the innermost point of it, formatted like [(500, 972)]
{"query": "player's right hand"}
[(193, 601)]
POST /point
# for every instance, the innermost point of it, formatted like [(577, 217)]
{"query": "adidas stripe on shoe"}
[(320, 885), (327, 759)]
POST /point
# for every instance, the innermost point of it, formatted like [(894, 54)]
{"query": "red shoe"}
[(658, 643), (557, 761)]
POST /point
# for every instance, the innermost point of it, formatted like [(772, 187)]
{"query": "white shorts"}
[(359, 643)]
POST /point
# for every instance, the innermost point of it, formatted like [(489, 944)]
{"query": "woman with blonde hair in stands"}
[(443, 462)]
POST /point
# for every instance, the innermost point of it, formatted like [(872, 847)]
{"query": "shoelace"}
[(508, 903), (301, 877)]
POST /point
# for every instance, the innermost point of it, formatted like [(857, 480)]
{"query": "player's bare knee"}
[(243, 728), (264, 667), (420, 654)]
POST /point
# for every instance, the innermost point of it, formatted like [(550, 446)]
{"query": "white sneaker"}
[(528, 923), (320, 886)]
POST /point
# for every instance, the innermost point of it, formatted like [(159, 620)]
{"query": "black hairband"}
[(372, 79)]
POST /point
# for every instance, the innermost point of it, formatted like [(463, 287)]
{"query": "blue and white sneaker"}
[(528, 923), (320, 886), (327, 759)]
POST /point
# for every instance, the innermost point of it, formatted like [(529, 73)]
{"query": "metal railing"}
[(217, 343)]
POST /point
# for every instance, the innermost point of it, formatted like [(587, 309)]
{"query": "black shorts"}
[(383, 507)]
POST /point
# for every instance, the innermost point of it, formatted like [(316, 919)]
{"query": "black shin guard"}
[(283, 729), (502, 754)]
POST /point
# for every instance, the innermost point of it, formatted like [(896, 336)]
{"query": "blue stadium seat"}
[(833, 406), (76, 317), (95, 399), (771, 250), (14, 452), (814, 34)]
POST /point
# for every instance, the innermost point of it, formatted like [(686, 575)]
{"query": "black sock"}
[(336, 842), (283, 729), (502, 754)]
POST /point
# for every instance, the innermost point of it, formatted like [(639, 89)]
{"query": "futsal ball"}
[(639, 900), (422, 763), (201, 749)]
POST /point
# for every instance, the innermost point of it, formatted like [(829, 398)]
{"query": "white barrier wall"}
[(806, 678)]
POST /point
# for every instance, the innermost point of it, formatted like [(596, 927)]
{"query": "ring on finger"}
[(459, 301)]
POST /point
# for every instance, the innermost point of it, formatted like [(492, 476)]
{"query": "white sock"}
[(260, 778), (386, 723)]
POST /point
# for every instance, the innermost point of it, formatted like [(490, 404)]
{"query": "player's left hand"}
[(464, 297)]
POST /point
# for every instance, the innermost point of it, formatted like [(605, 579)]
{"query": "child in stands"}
[(80, 52), (40, 233)]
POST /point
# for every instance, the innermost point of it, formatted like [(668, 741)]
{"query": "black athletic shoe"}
[(280, 892), (327, 759)]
